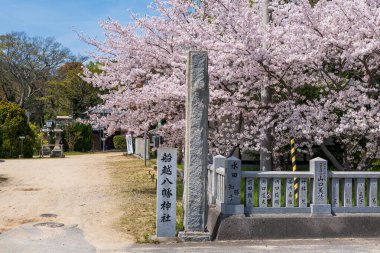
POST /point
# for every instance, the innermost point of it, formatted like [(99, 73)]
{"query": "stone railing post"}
[(232, 183), (210, 171), (218, 162), (319, 206)]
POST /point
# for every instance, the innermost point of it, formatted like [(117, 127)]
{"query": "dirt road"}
[(76, 189)]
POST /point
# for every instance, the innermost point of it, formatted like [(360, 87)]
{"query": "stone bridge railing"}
[(319, 192)]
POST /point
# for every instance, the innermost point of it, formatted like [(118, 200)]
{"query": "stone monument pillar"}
[(196, 148), (57, 150), (318, 167)]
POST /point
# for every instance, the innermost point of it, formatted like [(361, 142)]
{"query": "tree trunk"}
[(266, 143), (331, 157), (266, 146)]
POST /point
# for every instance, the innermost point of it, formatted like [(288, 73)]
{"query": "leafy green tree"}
[(13, 124), (26, 65), (69, 94)]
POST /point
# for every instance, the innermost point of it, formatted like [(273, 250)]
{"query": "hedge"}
[(119, 142)]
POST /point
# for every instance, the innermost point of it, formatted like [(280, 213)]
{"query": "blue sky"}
[(58, 18)]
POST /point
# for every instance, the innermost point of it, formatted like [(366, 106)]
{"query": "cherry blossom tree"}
[(320, 63)]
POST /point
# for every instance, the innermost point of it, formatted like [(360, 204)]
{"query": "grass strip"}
[(135, 185)]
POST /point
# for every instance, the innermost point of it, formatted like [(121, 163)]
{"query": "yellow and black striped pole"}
[(294, 166)]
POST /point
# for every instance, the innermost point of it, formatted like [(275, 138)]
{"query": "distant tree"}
[(72, 138), (26, 65), (77, 137), (13, 124), (67, 93)]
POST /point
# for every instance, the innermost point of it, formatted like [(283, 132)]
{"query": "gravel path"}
[(76, 190)]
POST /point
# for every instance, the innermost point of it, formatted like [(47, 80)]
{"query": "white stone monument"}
[(128, 138), (166, 192)]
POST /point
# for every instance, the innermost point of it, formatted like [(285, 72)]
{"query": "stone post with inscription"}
[(196, 148), (232, 194), (319, 205), (128, 139), (166, 192)]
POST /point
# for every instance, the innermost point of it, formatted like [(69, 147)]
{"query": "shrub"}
[(77, 137), (13, 124), (85, 143), (39, 138), (119, 142)]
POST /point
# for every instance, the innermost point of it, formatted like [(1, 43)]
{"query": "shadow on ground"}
[(3, 179)]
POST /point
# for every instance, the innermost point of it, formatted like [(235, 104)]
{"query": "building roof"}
[(64, 118)]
